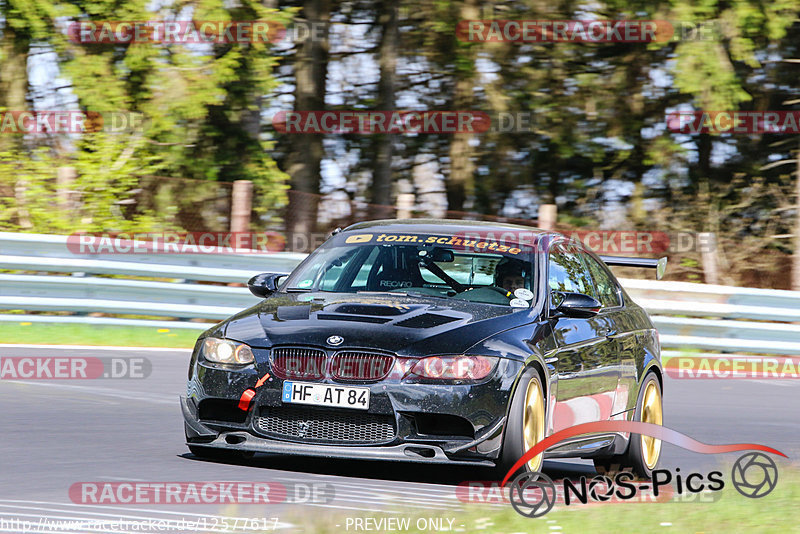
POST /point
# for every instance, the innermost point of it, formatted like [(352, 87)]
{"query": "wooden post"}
[(547, 216), (405, 205), (241, 205), (23, 216), (708, 256), (65, 179), (796, 253)]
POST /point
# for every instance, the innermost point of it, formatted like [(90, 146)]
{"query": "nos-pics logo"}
[(534, 494)]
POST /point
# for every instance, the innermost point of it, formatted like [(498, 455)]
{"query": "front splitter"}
[(407, 452)]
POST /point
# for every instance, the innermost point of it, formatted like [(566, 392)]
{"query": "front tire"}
[(643, 451), (526, 422)]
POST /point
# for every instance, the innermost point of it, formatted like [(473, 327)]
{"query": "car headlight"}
[(454, 367), (226, 351)]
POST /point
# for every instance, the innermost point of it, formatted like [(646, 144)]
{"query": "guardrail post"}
[(708, 256), (241, 205), (547, 216)]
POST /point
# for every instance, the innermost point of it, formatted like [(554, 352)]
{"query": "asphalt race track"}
[(60, 432)]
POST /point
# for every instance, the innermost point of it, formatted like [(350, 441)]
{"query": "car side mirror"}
[(575, 304), (264, 284)]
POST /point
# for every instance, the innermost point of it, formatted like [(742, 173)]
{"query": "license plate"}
[(325, 395)]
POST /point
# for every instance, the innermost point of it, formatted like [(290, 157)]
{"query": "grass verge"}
[(83, 334)]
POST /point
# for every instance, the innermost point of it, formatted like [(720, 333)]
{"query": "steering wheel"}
[(507, 294)]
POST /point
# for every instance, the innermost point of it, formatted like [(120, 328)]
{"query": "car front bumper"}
[(416, 410), (248, 442)]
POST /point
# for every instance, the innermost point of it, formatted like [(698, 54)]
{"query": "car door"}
[(622, 334), (587, 362)]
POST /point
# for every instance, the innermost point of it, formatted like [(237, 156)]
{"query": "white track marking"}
[(186, 351)]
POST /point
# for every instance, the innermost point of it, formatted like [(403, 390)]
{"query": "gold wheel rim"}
[(533, 421), (651, 413)]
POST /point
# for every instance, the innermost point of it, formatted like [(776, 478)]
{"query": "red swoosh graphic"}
[(635, 427)]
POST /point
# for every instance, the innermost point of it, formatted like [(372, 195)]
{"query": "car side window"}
[(567, 271), (607, 289)]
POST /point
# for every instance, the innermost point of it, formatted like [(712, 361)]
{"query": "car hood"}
[(401, 324)]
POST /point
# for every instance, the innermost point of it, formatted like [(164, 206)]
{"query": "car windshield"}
[(431, 265)]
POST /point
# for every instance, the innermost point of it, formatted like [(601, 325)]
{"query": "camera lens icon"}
[(533, 494), (754, 475)]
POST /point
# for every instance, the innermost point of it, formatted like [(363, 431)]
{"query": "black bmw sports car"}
[(432, 341)]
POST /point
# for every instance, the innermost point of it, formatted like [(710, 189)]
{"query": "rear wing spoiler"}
[(660, 265)]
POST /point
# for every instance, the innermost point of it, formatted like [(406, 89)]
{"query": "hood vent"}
[(426, 320), (369, 309), (354, 318), (289, 313)]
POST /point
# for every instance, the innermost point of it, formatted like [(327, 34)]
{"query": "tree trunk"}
[(13, 97), (311, 68), (387, 59), (460, 184), (796, 253), (13, 73)]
